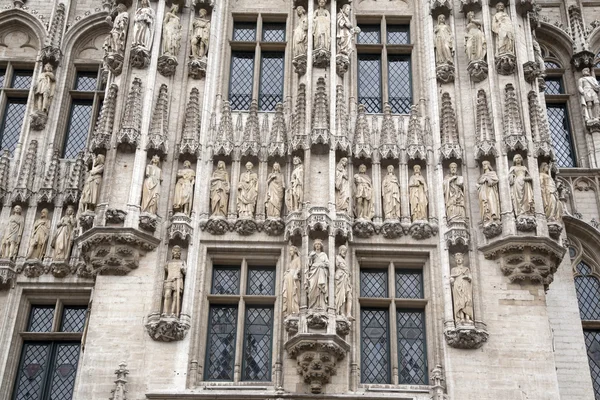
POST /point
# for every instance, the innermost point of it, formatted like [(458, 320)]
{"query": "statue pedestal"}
[(421, 230), (363, 228), (300, 64), (392, 229), (273, 226), (197, 68), (167, 328), (38, 120), (8, 275), (140, 57), (478, 70), (321, 58), (33, 268), (216, 225), (445, 73), (466, 334), (167, 65), (114, 61), (342, 62), (506, 64), (148, 222)]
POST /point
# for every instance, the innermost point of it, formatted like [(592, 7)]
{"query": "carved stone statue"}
[(475, 43), (489, 199), (247, 192), (537, 54), (417, 190), (391, 194), (321, 27), (291, 283), (553, 206), (342, 187), (63, 239), (317, 277), (173, 287), (295, 194), (363, 194), (44, 89), (502, 26), (588, 91), (219, 191), (39, 237), (143, 25), (184, 189), (301, 33), (345, 31), (171, 32), (275, 187), (115, 41), (521, 190), (13, 232), (444, 42), (91, 188), (462, 290), (454, 196), (343, 284), (201, 35), (151, 188)]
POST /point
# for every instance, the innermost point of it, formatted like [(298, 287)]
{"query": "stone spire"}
[(50, 183), (24, 188), (299, 120), (159, 126), (104, 126), (362, 135), (320, 117), (450, 144), (276, 146), (51, 53), (514, 135), (131, 124), (190, 143), (415, 140), (340, 141), (485, 140), (251, 139), (539, 127), (388, 142), (224, 141)]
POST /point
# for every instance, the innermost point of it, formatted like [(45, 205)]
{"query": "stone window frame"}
[(8, 94)]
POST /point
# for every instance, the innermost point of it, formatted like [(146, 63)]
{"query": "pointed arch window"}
[(15, 83)]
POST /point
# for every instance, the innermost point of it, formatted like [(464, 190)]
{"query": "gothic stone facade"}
[(292, 199)]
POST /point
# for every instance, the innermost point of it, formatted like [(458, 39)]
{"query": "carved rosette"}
[(468, 336), (478, 70), (8, 275), (168, 328), (506, 64)]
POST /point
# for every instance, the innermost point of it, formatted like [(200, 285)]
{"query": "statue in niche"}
[(321, 27), (553, 206), (115, 41), (291, 283), (301, 33), (275, 187), (295, 194), (462, 290), (342, 188), (91, 188), (417, 191), (502, 26), (63, 239), (201, 35), (537, 54), (454, 196), (39, 237), (475, 43), (219, 191), (345, 31), (521, 190), (489, 198), (391, 194), (43, 91), (9, 248), (363, 194), (317, 275), (173, 286), (343, 284), (151, 187), (247, 192), (444, 42), (171, 32), (588, 90), (184, 189), (143, 25)]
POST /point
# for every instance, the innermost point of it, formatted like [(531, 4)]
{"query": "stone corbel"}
[(148, 222), (8, 275), (168, 328), (457, 235), (506, 64), (466, 336), (318, 219), (247, 226), (583, 59), (342, 226), (440, 7), (469, 5), (525, 6), (216, 226), (422, 230), (181, 228), (294, 225), (273, 226), (363, 228)]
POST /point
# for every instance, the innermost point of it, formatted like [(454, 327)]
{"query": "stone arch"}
[(86, 37), (21, 34), (585, 240), (557, 41)]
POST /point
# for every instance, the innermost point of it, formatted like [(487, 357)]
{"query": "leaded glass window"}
[(369, 82), (220, 348), (412, 355), (271, 81), (258, 334), (587, 287), (12, 122), (226, 280), (399, 84), (240, 82), (592, 343), (369, 34), (41, 319), (261, 281), (554, 86), (558, 120), (32, 371), (2, 77), (80, 119), (86, 81), (73, 319), (373, 283), (409, 284), (244, 31), (551, 65), (21, 79), (398, 34), (273, 32), (375, 346)]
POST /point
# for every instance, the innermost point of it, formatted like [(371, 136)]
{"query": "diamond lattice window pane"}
[(220, 347), (560, 131), (258, 337), (40, 319), (244, 31), (412, 356), (375, 348), (369, 82), (399, 84), (261, 281), (86, 81), (226, 280), (80, 120), (271, 81), (373, 283), (14, 113), (2, 77), (21, 79), (64, 371), (240, 82), (554, 86), (551, 65), (588, 293), (369, 34), (273, 32), (34, 360), (409, 284), (592, 343), (73, 319), (398, 34)]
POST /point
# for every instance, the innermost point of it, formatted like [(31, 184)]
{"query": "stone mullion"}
[(393, 334), (201, 305), (239, 334), (278, 354)]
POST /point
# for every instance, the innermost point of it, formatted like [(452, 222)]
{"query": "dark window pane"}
[(2, 77), (220, 347), (373, 283), (409, 284), (558, 120), (64, 371), (40, 319), (273, 32), (412, 356), (73, 319), (369, 34), (399, 84), (14, 113), (32, 370), (592, 343), (587, 287), (551, 65), (226, 280), (261, 281), (21, 79), (398, 34), (244, 31), (369, 82), (554, 86), (271, 81), (240, 82), (375, 347), (86, 81), (79, 126), (258, 337)]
